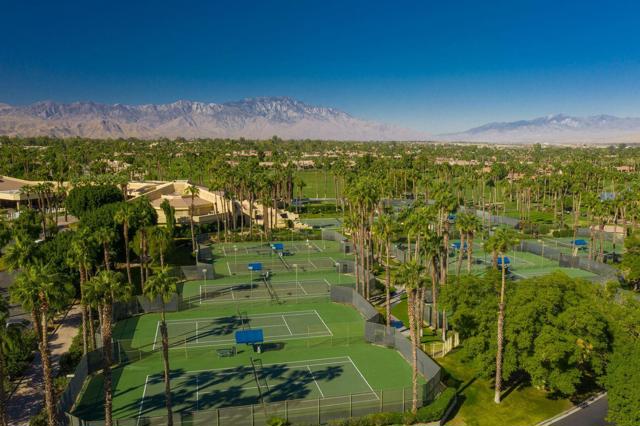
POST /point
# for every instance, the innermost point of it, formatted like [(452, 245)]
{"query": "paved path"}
[(28, 399), (590, 413)]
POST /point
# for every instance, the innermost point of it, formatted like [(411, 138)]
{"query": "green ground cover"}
[(318, 184), (522, 406)]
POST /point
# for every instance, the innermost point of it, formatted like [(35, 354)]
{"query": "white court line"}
[(327, 281), (302, 288), (155, 339), (333, 260), (285, 323), (315, 381), (144, 391), (224, 251), (365, 380), (316, 246), (323, 323), (197, 394), (312, 264), (229, 268), (197, 338)]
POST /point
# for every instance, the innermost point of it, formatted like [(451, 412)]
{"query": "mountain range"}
[(262, 118), (259, 118), (558, 128)]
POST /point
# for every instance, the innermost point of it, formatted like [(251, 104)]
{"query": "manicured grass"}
[(524, 406), (316, 185)]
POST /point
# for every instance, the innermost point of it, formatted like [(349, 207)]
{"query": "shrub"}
[(39, 419), (437, 408), (83, 199)]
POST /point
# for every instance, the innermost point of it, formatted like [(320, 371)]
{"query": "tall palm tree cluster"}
[(93, 253)]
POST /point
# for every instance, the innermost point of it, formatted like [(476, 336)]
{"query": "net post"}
[(350, 405)]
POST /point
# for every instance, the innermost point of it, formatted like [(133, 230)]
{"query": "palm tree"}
[(20, 253), (124, 215), (159, 242), (105, 236), (410, 274), (104, 290), (432, 251), (385, 228), (163, 286), (80, 256), (7, 339), (193, 191), (504, 239), (473, 225), (39, 289)]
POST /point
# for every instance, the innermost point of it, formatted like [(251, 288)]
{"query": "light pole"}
[(235, 255), (308, 249), (339, 271), (204, 276)]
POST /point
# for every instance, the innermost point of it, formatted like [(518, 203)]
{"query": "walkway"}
[(28, 399), (590, 413)]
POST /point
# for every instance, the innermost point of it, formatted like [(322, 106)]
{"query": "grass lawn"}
[(318, 184), (522, 407)]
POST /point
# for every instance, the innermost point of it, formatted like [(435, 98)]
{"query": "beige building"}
[(209, 206), (12, 194)]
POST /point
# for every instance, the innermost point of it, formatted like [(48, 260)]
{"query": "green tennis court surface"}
[(263, 290), (255, 383), (521, 264), (277, 326), (283, 263)]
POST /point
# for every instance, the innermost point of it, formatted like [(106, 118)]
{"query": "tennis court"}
[(282, 263), (334, 379), (521, 264), (263, 290), (277, 326)]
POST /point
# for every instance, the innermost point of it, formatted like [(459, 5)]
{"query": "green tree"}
[(170, 216), (39, 290), (631, 260), (160, 243), (504, 239), (193, 191), (20, 253), (124, 216), (162, 287), (385, 228), (86, 198), (410, 274), (103, 290)]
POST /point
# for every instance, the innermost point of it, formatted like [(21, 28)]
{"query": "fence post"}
[(286, 410), (253, 417), (319, 411), (381, 400), (217, 417)]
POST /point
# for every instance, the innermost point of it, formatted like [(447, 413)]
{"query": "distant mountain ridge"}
[(558, 128), (259, 118)]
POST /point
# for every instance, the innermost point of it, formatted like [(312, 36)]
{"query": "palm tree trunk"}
[(460, 252), (3, 397), (469, 252), (126, 251), (414, 352), (498, 384), (83, 306), (167, 370), (106, 363), (47, 373), (388, 284)]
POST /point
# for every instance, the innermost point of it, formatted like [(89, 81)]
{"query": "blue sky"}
[(436, 66)]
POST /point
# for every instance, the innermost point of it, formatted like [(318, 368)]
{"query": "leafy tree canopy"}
[(87, 198)]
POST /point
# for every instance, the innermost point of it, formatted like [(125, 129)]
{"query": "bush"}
[(83, 199), (437, 408), (69, 360), (39, 419), (563, 233)]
